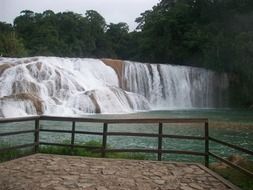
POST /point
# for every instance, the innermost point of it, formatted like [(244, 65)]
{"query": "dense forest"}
[(214, 34)]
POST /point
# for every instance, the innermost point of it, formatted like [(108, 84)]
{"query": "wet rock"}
[(4, 67), (236, 159)]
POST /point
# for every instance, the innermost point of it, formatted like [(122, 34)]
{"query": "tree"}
[(117, 35), (11, 46), (24, 26), (97, 27)]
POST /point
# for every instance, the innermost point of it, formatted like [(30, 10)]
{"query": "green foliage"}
[(10, 45), (75, 151), (8, 155), (62, 34), (118, 37), (4, 27), (88, 152), (13, 154)]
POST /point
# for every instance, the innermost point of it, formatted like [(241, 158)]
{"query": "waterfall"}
[(176, 87), (77, 86)]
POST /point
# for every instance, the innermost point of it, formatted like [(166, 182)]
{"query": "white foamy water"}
[(62, 86), (176, 87), (75, 86)]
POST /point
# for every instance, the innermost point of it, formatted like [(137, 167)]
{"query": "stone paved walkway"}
[(56, 172)]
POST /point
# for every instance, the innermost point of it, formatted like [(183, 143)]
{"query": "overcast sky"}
[(112, 10)]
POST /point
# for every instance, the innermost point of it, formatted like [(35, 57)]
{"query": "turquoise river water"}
[(232, 125)]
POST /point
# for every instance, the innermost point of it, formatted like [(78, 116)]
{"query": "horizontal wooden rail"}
[(133, 150), (130, 134), (109, 121), (154, 135), (137, 150), (125, 134), (69, 131), (126, 121), (243, 170), (6, 149), (18, 119), (69, 145), (232, 146), (184, 152), (183, 137), (16, 133)]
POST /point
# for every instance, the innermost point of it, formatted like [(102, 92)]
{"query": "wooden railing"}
[(104, 134), (35, 143), (238, 148)]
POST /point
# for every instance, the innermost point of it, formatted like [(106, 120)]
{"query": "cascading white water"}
[(176, 87), (69, 86), (62, 86)]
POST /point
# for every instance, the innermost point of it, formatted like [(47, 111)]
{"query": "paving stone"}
[(159, 182), (142, 186), (195, 186), (146, 173), (85, 185), (70, 177), (186, 188), (199, 172), (108, 172), (101, 188), (60, 188), (55, 172), (155, 177), (46, 184), (188, 170), (126, 181)]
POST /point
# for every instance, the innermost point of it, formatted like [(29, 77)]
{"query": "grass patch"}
[(13, 154), (88, 152), (236, 177)]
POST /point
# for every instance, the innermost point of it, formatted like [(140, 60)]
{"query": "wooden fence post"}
[(160, 138), (36, 135), (206, 144), (105, 129), (73, 137)]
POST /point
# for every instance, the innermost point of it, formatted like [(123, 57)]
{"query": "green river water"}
[(232, 125)]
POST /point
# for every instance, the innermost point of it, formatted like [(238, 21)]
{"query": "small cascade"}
[(75, 86)]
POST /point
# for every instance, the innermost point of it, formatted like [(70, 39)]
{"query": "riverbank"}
[(239, 179)]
